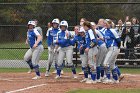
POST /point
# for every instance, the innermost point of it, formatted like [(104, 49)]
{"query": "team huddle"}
[(98, 46)]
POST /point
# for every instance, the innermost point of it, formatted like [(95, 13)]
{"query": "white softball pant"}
[(111, 56), (89, 58), (84, 60), (34, 54), (65, 52), (102, 50), (52, 57)]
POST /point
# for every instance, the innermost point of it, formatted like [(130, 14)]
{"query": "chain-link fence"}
[(14, 18)]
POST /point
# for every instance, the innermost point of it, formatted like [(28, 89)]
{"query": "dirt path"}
[(15, 82)]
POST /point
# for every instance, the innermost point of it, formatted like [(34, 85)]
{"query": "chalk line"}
[(22, 89)]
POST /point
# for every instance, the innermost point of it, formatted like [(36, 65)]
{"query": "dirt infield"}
[(22, 82)]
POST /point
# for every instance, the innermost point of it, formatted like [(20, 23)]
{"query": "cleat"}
[(62, 72), (115, 81), (121, 78), (47, 74), (94, 81), (110, 81), (90, 82), (84, 80), (81, 73), (60, 76), (98, 81), (75, 76), (107, 81), (102, 78), (57, 77), (54, 72), (30, 71), (36, 77)]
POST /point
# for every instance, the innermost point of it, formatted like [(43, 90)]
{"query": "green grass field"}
[(106, 91), (14, 45), (17, 45), (78, 69), (17, 54)]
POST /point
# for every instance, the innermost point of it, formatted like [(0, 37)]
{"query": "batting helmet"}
[(32, 23), (64, 23), (56, 21)]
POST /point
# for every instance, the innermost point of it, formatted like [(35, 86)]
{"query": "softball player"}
[(102, 50), (36, 48), (113, 43), (39, 29), (52, 48), (75, 44), (102, 29), (80, 40), (82, 20), (120, 76), (90, 50), (63, 40)]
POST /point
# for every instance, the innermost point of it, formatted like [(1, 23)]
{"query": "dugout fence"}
[(14, 18)]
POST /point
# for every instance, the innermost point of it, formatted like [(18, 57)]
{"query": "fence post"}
[(76, 14)]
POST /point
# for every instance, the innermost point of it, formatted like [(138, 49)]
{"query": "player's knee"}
[(34, 64), (59, 64), (90, 57), (106, 65), (98, 64), (114, 72), (84, 65), (70, 64), (59, 67), (92, 67), (26, 58), (50, 52), (85, 69), (93, 70), (112, 67)]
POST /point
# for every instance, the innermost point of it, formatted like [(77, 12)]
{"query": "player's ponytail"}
[(88, 24)]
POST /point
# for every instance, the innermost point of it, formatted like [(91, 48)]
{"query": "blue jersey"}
[(111, 38), (90, 38), (80, 41), (52, 35), (99, 35), (63, 40), (102, 30), (32, 37), (74, 40)]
